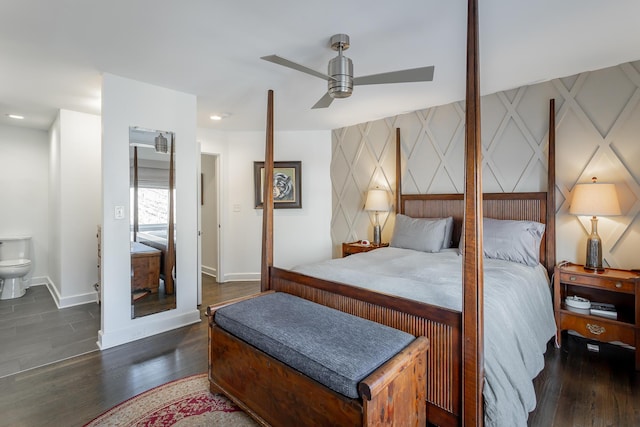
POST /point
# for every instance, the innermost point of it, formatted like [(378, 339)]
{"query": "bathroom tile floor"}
[(34, 332)]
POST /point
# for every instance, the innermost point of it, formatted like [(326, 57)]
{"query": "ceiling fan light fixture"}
[(341, 69), (340, 80)]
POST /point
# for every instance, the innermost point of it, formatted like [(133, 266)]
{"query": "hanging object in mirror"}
[(161, 144)]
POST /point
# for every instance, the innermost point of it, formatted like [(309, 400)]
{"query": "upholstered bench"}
[(289, 361)]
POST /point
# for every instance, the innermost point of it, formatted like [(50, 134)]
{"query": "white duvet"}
[(518, 313)]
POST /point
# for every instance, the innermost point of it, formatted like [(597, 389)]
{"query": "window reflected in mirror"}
[(152, 221)]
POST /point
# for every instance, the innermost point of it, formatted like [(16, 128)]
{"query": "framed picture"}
[(287, 185)]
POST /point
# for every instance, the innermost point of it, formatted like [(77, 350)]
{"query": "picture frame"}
[(287, 184)]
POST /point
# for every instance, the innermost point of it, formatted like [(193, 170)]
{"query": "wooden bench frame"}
[(275, 394)]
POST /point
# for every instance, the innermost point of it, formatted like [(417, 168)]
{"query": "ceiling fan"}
[(340, 75)]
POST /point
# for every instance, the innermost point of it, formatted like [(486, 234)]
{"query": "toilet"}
[(15, 264)]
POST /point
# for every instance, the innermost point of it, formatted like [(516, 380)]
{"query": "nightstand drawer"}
[(598, 328), (599, 282)]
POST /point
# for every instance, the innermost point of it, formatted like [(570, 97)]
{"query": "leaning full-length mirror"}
[(153, 221)]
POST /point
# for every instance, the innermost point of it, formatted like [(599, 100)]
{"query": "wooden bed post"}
[(170, 253), (473, 270), (267, 205), (550, 231), (399, 208)]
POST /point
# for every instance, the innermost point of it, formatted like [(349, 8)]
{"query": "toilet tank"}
[(16, 247)]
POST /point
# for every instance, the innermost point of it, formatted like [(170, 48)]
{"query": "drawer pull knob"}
[(595, 329), (572, 278), (618, 285)]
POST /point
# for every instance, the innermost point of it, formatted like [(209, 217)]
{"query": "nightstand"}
[(613, 286), (357, 247)]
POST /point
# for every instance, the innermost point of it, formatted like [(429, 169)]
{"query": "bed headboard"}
[(516, 206)]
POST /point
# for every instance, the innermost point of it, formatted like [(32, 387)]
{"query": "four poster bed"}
[(420, 293), (459, 350)]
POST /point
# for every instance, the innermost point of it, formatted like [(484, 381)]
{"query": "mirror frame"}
[(139, 307)]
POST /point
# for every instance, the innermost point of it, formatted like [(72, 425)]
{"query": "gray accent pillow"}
[(420, 234), (510, 240)]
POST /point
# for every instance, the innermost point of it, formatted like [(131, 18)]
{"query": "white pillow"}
[(420, 234), (517, 241)]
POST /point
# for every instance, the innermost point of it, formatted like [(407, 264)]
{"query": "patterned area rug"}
[(182, 403)]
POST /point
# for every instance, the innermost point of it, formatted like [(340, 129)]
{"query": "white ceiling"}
[(53, 52)]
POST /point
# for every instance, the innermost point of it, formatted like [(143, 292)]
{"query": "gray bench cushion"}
[(334, 348)]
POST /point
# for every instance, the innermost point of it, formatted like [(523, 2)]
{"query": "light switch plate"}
[(118, 212)]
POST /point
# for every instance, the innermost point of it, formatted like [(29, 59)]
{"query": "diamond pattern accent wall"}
[(597, 134)]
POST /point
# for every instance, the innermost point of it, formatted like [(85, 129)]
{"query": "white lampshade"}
[(377, 200), (595, 199)]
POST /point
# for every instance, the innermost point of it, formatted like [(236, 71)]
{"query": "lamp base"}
[(594, 249), (376, 235)]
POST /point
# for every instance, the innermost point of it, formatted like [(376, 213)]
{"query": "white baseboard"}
[(70, 301), (152, 327), (38, 281), (241, 277), (209, 271)]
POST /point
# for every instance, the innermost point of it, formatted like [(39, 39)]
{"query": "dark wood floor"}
[(583, 388), (74, 391), (151, 303), (576, 388)]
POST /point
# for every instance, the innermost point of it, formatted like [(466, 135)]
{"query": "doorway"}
[(209, 216)]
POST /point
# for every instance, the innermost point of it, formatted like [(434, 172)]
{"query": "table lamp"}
[(594, 199), (377, 201)]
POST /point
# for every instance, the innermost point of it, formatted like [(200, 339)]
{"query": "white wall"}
[(55, 185), (597, 121), (24, 177), (303, 235), (300, 235), (74, 205), (128, 103)]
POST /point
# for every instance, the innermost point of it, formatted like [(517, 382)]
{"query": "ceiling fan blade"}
[(423, 74), (324, 102), (290, 64)]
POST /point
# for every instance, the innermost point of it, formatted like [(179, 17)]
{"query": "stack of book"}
[(603, 309)]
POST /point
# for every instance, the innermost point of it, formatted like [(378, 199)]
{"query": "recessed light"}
[(15, 116), (220, 116)]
